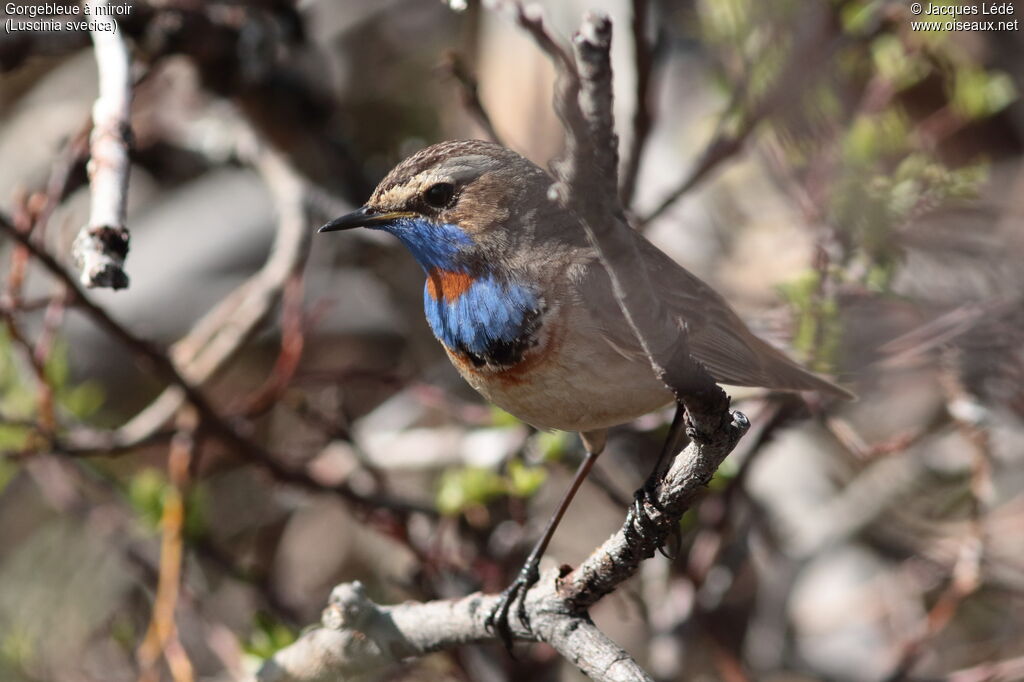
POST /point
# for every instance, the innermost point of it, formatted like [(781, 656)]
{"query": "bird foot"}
[(638, 522), (514, 595)]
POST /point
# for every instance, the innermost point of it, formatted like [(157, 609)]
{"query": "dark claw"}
[(675, 539), (638, 515), (497, 620)]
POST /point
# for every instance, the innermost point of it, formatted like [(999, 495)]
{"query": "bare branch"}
[(101, 246), (361, 640), (997, 671), (469, 93), (722, 147), (810, 47), (643, 59)]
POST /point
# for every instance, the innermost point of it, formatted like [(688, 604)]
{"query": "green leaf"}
[(818, 326), (524, 480), (13, 438), (16, 646), (146, 491), (858, 17), (82, 400), (877, 136), (267, 637), (196, 505), (552, 445), (57, 369), (501, 418), (466, 487), (894, 63), (978, 93), (7, 471)]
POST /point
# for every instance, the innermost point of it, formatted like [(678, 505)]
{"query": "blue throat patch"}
[(487, 318), (433, 245)]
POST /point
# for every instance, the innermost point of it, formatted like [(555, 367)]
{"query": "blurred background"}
[(852, 185)]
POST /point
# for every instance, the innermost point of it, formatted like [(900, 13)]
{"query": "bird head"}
[(456, 204)]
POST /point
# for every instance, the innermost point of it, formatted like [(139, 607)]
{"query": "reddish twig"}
[(51, 323), (293, 339), (792, 80), (15, 281), (965, 577)]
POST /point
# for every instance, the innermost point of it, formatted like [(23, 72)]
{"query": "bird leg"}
[(515, 594), (646, 495)]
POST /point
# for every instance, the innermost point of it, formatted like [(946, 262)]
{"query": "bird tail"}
[(786, 374), (734, 355)]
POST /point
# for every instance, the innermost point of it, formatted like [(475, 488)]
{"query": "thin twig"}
[(999, 671), (212, 420), (217, 337), (47, 416), (791, 81), (161, 638), (293, 340), (469, 93), (101, 246), (643, 60), (965, 577)]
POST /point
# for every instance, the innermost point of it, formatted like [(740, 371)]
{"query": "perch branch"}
[(101, 246), (360, 636)]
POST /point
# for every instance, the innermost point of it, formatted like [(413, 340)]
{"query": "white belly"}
[(573, 380)]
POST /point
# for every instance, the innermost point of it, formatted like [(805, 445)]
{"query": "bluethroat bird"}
[(522, 305)]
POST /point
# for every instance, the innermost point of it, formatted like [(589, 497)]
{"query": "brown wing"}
[(718, 338)]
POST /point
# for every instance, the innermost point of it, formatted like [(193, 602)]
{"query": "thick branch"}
[(101, 246), (362, 638), (620, 556)]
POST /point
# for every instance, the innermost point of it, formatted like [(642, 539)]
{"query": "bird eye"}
[(440, 194)]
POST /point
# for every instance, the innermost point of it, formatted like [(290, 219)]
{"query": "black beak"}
[(363, 217)]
